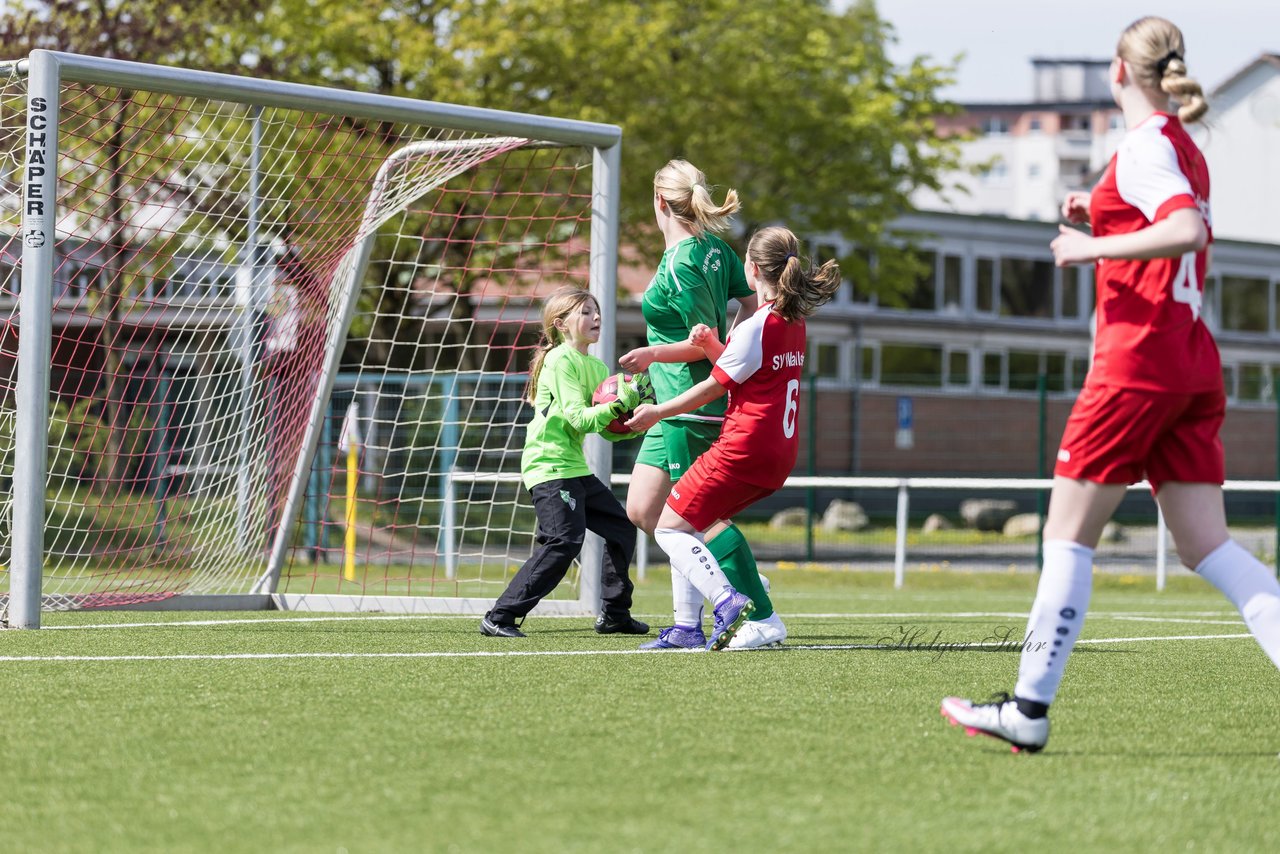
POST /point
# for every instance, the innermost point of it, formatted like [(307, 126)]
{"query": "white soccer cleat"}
[(760, 634), (998, 719)]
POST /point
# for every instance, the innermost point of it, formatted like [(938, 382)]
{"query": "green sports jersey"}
[(694, 283), (563, 416)]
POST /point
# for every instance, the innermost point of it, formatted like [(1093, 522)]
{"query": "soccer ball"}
[(607, 392)]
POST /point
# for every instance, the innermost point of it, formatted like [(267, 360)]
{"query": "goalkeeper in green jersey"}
[(568, 499), (697, 277)]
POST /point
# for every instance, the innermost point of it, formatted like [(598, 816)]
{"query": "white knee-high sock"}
[(686, 601), (691, 558), (1057, 616), (1251, 587)]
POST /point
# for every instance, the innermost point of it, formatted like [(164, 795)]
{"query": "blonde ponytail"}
[(684, 188), (1154, 49), (1190, 97)]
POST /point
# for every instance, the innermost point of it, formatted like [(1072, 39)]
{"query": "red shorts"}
[(707, 492), (1119, 435)]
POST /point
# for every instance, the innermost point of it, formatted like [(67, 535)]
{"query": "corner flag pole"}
[(349, 442)]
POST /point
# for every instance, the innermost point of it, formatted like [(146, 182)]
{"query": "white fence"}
[(904, 485)]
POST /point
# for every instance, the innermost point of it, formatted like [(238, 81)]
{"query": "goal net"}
[(287, 330)]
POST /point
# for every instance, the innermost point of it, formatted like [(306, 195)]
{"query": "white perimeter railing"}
[(903, 485)]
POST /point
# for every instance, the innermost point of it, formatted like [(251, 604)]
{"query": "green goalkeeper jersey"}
[(694, 283), (563, 416)]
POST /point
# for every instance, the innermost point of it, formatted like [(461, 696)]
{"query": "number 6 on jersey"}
[(791, 412)]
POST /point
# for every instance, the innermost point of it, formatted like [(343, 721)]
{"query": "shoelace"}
[(996, 700)]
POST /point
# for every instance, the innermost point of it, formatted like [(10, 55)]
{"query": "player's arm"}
[(1180, 232), (646, 415), (641, 358), (705, 338), (572, 391)]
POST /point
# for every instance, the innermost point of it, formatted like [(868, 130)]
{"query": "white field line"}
[(834, 615), (277, 656)]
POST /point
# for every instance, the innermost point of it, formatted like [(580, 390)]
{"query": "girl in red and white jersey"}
[(1153, 402), (760, 367)]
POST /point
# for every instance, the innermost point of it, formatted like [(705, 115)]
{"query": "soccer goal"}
[(264, 344)]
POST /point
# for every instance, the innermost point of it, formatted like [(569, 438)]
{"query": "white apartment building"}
[(1026, 155)]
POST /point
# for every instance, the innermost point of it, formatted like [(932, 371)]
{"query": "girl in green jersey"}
[(568, 499), (697, 277)]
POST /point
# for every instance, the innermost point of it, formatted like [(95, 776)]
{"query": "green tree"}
[(798, 107)]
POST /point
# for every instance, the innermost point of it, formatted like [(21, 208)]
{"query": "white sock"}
[(1251, 587), (1057, 615), (686, 600), (692, 559)]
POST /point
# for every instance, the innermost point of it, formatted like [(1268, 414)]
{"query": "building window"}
[(924, 297), (824, 359), (958, 368), (1070, 306), (986, 285), (1020, 370), (952, 284), (867, 368), (1245, 304), (911, 365), (1229, 381), (995, 126), (1033, 170), (859, 279), (81, 280), (993, 370), (1209, 304), (1026, 288), (1079, 370), (1254, 383), (1034, 126), (1024, 370)]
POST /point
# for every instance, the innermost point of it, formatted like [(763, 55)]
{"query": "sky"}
[(999, 37)]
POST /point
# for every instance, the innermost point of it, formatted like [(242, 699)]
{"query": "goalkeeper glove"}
[(631, 394)]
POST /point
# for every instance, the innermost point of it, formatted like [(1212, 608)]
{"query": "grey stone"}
[(936, 522), (986, 514), (844, 516), (1022, 525), (792, 517)]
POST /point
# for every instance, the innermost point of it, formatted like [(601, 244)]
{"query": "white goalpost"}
[(264, 343)]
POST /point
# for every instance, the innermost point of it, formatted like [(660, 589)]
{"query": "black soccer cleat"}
[(626, 625), (499, 630)]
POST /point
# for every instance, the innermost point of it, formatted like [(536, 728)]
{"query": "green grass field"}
[(286, 732)]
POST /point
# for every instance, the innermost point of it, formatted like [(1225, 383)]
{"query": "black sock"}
[(1030, 708)]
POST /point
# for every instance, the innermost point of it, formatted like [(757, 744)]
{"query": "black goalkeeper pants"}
[(566, 510)]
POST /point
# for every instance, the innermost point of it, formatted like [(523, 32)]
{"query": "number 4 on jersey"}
[(1186, 289)]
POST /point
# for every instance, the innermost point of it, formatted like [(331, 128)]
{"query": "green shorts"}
[(673, 445)]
